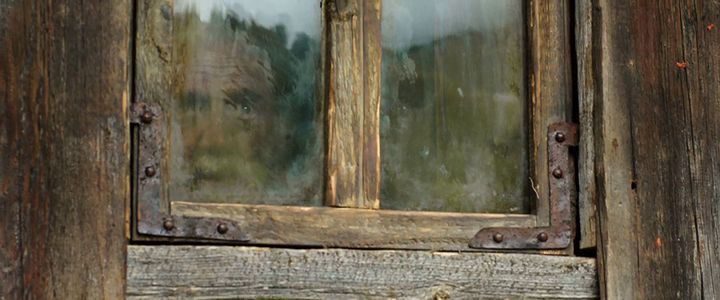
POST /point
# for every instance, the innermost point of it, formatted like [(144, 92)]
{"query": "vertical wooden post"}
[(656, 139), (64, 89)]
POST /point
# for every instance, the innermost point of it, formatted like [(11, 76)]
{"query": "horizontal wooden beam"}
[(353, 228), (225, 272)]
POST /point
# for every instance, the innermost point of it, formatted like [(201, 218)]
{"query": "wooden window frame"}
[(352, 95)]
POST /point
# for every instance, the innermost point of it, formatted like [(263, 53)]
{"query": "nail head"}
[(557, 173), (146, 117), (150, 171), (168, 224), (543, 237), (498, 237), (222, 228)]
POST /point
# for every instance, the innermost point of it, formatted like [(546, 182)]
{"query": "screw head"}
[(557, 173), (560, 137), (498, 237), (150, 171), (222, 228), (168, 224), (542, 237), (146, 117)]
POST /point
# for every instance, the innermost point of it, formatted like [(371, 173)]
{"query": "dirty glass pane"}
[(454, 134), (246, 117)]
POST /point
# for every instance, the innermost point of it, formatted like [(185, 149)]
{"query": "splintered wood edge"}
[(226, 271), (353, 228)]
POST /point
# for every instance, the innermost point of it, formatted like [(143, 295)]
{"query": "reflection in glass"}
[(246, 124), (453, 106)]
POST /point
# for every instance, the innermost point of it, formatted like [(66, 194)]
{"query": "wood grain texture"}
[(658, 183), (156, 272), (355, 228), (64, 85), (353, 117), (372, 59), (617, 202), (586, 97)]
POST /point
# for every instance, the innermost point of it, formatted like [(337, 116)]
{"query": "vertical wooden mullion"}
[(353, 103), (550, 89), (373, 70), (153, 78)]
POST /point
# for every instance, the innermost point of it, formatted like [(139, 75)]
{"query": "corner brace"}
[(151, 216), (561, 176)]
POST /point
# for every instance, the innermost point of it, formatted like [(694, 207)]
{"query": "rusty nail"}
[(222, 228), (543, 237), (557, 173), (560, 137), (150, 171), (168, 224), (147, 117), (498, 237)]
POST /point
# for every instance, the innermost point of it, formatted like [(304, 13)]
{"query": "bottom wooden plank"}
[(218, 272)]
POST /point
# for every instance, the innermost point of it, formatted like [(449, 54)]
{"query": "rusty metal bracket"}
[(152, 217), (558, 235)]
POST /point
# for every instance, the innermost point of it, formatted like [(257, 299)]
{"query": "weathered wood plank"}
[(657, 178), (353, 104), (372, 58), (550, 88), (700, 41), (616, 199), (228, 272), (12, 153), (586, 92), (355, 228), (12, 179), (64, 86)]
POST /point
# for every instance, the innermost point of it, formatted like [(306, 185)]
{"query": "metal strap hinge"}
[(559, 234)]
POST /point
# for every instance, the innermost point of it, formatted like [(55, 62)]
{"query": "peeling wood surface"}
[(353, 157), (659, 203), (226, 272), (63, 144), (356, 228)]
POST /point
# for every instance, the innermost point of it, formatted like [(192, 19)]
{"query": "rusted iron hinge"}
[(561, 136), (152, 217)]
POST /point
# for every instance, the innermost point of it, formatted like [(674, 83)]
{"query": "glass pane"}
[(246, 122), (454, 134)]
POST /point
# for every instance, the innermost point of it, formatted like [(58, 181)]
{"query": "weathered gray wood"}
[(586, 90), (353, 117), (356, 228), (230, 272), (616, 199), (64, 88)]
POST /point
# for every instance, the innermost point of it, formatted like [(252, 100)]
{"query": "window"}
[(377, 123)]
